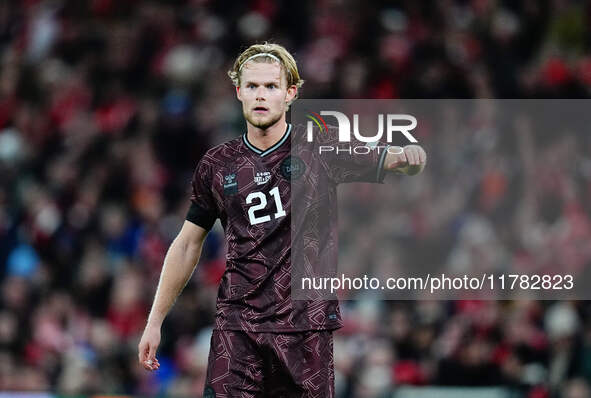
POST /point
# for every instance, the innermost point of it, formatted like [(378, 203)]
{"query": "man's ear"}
[(292, 91), (238, 93)]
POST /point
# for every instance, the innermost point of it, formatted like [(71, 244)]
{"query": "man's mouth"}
[(260, 109)]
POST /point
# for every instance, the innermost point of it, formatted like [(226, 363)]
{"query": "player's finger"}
[(422, 156), (418, 155), (147, 364), (150, 364), (411, 155), (154, 364), (400, 160)]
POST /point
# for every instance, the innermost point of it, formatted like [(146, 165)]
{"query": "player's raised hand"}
[(147, 348), (409, 160)]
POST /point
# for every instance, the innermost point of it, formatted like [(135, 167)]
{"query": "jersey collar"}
[(269, 150)]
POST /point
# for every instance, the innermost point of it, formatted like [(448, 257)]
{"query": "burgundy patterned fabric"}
[(250, 191), (279, 365)]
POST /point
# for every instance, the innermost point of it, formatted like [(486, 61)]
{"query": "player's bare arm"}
[(179, 264), (410, 160)]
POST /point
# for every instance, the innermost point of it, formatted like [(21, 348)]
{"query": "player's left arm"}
[(409, 160)]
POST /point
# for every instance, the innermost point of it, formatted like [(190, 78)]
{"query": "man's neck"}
[(265, 139)]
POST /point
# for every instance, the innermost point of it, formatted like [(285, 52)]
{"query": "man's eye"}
[(251, 86), (271, 86)]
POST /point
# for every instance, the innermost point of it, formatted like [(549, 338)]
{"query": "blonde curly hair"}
[(267, 52)]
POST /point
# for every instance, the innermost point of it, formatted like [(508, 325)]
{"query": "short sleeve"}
[(353, 161), (203, 211)]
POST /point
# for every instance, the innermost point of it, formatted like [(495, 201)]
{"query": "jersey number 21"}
[(262, 203)]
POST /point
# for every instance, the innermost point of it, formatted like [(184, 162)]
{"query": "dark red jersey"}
[(250, 191)]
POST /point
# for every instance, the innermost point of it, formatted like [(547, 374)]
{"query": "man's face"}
[(264, 93)]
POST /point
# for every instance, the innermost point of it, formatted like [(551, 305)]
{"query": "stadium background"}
[(106, 107)]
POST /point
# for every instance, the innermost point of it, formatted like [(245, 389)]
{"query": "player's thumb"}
[(151, 351), (401, 160), (143, 351)]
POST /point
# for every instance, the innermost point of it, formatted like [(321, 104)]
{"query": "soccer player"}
[(264, 344)]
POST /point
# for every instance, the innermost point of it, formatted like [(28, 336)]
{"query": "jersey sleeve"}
[(354, 161), (203, 211)]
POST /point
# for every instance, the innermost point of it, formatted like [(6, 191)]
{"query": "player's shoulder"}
[(223, 152)]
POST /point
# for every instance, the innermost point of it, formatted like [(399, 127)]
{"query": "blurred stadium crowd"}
[(106, 106)]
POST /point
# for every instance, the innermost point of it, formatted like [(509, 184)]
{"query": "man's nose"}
[(260, 93)]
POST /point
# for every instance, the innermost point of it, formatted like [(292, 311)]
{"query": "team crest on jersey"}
[(262, 177), (292, 167), (230, 184)]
